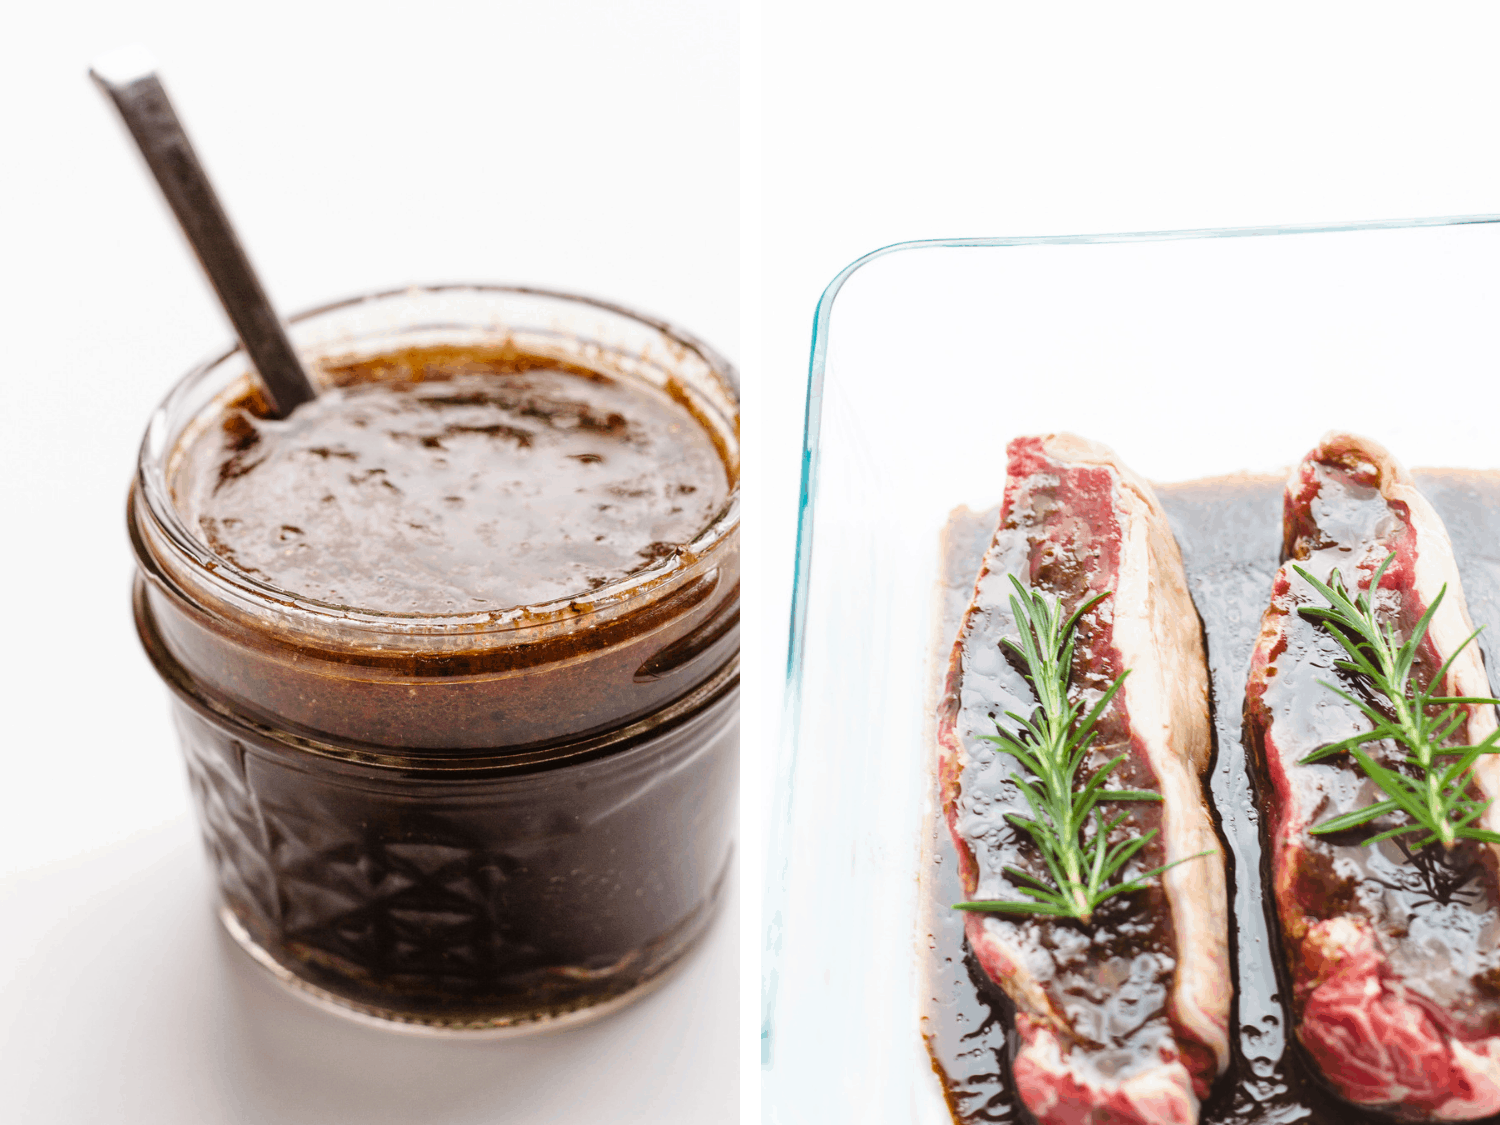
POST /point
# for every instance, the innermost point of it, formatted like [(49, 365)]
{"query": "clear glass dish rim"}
[(787, 749), (723, 525)]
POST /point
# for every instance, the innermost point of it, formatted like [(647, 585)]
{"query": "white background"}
[(877, 122), (588, 146), (880, 122)]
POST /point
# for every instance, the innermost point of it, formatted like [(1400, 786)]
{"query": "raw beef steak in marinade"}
[(1123, 1019), (1394, 957)]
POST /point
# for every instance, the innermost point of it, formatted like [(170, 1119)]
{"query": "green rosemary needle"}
[(1432, 792), (1052, 746)]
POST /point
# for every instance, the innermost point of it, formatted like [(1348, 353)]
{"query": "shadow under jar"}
[(429, 803)]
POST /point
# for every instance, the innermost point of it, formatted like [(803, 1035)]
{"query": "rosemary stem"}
[(1435, 806), (1413, 736), (1059, 724), (1077, 889), (1423, 752)]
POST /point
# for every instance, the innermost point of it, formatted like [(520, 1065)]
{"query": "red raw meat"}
[(1394, 960), (1124, 1020)]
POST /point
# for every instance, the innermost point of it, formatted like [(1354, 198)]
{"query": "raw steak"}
[(1394, 958), (1124, 1019)]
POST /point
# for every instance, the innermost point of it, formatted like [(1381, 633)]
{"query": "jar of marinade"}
[(454, 650)]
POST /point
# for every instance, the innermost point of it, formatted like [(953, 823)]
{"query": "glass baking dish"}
[(1192, 354)]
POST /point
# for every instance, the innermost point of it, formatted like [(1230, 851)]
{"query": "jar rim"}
[(660, 576)]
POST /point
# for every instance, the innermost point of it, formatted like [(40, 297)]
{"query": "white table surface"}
[(132, 1005), (587, 145)]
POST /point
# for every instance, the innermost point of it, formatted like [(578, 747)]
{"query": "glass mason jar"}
[(481, 822)]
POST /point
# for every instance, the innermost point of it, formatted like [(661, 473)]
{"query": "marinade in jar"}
[(454, 650)]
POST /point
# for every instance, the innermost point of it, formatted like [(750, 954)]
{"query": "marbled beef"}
[(1394, 956), (1124, 1019)]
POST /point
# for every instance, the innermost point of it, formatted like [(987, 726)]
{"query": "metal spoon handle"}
[(142, 102)]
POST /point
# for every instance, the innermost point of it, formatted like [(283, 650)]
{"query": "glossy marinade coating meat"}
[(1394, 958), (1124, 1019)]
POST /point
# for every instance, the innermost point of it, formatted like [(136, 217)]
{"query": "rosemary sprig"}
[(1419, 721), (1052, 746)]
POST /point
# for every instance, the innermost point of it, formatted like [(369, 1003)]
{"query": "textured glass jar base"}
[(662, 964), (467, 905), (466, 895)]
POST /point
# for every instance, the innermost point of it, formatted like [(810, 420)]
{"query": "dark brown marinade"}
[(1230, 534), (486, 831), (471, 894), (442, 480), (573, 684)]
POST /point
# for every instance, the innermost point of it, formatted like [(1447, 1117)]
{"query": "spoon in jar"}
[(128, 76)]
